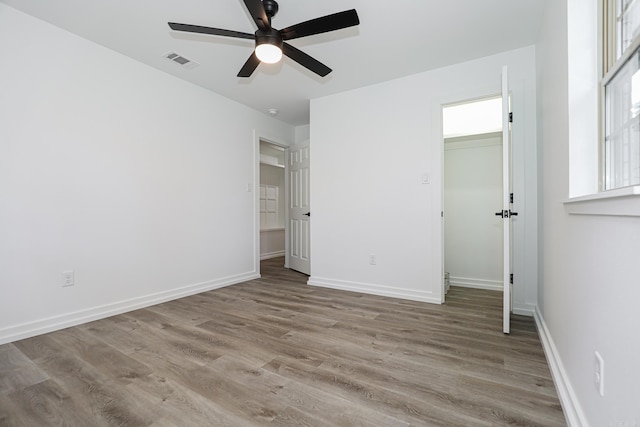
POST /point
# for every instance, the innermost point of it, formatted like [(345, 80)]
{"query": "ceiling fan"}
[(270, 43)]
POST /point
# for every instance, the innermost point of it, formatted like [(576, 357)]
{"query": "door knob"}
[(506, 214), (307, 214)]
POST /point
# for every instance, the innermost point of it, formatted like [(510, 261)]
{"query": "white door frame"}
[(484, 95), (256, 197)]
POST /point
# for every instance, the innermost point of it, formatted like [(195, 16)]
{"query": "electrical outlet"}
[(372, 259), (599, 373), (68, 278)]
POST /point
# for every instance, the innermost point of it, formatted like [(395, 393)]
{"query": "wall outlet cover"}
[(68, 278)]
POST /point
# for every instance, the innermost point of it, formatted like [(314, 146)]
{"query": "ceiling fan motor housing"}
[(269, 36), (270, 7)]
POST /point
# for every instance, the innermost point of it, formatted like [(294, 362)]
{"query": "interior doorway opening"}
[(272, 200), (473, 184)]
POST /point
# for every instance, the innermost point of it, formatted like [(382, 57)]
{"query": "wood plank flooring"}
[(276, 352)]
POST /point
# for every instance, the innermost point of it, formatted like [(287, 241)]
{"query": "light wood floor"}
[(276, 352)]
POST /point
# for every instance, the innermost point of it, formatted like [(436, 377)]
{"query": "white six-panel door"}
[(506, 202), (299, 208)]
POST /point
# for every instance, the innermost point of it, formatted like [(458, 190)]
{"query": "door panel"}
[(300, 208), (506, 203)]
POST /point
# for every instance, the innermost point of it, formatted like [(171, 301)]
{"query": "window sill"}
[(619, 202)]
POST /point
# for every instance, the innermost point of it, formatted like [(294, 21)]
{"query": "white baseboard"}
[(470, 282), (368, 288), (269, 255), (570, 405), (524, 310), (43, 326)]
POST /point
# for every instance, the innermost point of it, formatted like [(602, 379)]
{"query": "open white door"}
[(299, 208), (506, 201)]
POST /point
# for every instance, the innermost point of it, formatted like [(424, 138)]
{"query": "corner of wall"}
[(302, 133)]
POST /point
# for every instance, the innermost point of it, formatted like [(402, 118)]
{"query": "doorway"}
[(473, 191), (272, 200), (282, 208)]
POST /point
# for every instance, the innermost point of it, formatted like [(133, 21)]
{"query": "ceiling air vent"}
[(181, 60)]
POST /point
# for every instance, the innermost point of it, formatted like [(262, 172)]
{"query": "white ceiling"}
[(394, 39)]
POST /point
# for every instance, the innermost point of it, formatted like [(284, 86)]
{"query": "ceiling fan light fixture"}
[(269, 46), (268, 53)]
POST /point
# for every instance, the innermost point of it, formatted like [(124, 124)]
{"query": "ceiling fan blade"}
[(333, 22), (257, 12), (250, 66), (305, 60), (208, 30)]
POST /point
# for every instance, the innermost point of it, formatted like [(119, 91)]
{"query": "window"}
[(269, 217), (621, 83), (627, 24)]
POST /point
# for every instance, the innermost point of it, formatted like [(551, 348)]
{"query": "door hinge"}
[(511, 198), (510, 117), (511, 278)]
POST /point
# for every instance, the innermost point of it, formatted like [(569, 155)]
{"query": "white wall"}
[(272, 243), (132, 178), (366, 179), (472, 194), (590, 286), (302, 133)]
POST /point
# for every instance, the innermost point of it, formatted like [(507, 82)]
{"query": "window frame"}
[(608, 35), (610, 67)]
